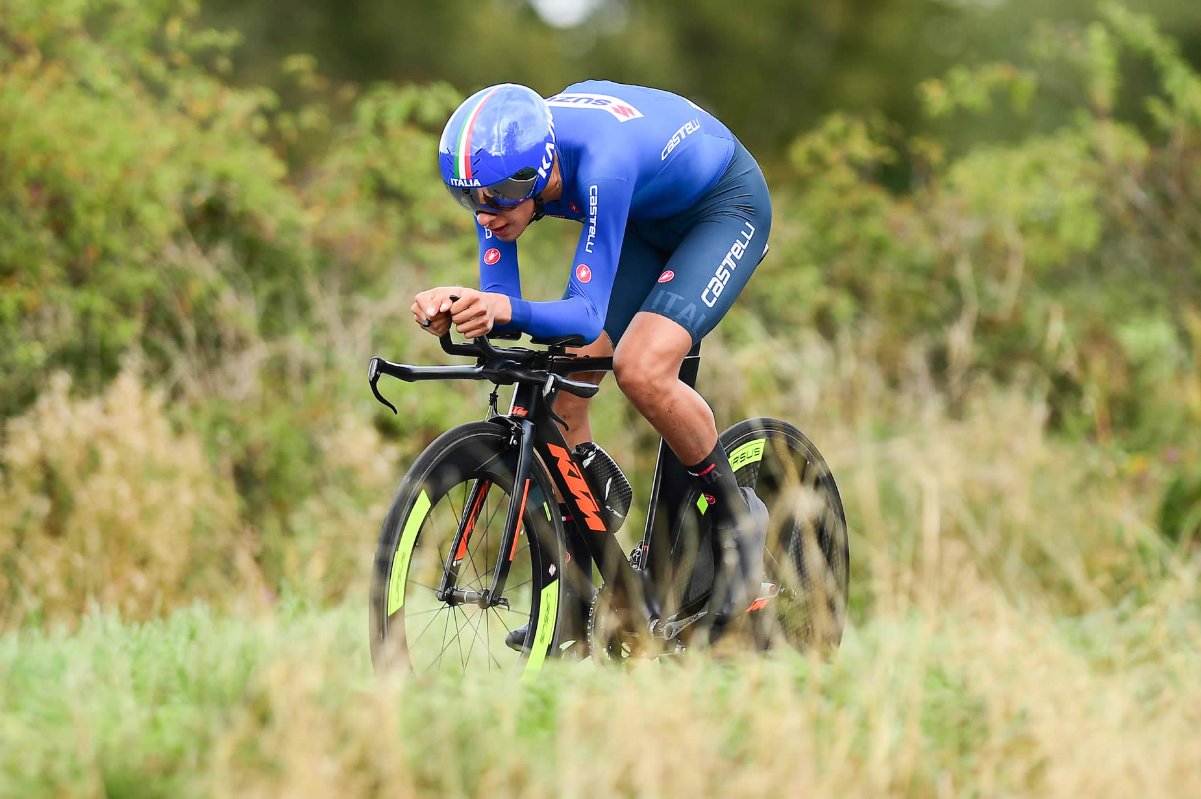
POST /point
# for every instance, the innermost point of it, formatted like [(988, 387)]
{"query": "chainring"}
[(612, 635)]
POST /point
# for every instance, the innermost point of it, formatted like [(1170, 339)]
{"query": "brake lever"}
[(373, 374)]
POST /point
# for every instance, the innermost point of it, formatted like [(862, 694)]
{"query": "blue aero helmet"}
[(497, 149)]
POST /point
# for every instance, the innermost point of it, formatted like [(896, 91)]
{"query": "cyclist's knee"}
[(640, 374), (647, 360)]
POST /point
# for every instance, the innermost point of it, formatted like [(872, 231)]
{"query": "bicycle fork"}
[(448, 591)]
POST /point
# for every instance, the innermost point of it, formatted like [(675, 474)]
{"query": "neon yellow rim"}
[(404, 552), (548, 613)]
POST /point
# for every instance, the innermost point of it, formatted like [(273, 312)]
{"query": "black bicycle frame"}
[(533, 429)]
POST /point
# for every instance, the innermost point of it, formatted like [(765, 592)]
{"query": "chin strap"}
[(539, 207)]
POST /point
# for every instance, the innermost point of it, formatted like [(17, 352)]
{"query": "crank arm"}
[(673, 627)]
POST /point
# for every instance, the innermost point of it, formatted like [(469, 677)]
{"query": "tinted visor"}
[(500, 196)]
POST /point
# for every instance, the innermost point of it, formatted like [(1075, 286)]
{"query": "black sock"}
[(715, 478)]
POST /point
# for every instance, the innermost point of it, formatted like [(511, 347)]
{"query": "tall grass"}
[(1017, 629), (982, 700), (103, 500), (106, 500)]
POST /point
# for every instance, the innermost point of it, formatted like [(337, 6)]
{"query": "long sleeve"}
[(582, 311)]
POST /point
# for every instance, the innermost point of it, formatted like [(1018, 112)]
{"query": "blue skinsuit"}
[(641, 169)]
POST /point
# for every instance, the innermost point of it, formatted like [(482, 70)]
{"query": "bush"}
[(103, 501)]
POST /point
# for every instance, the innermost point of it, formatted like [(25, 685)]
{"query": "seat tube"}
[(670, 480), (517, 500), (668, 488)]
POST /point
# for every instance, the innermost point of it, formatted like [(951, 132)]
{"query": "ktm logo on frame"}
[(578, 487)]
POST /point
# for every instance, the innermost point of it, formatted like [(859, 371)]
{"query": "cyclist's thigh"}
[(717, 253)]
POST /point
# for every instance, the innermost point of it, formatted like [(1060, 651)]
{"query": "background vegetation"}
[(982, 303)]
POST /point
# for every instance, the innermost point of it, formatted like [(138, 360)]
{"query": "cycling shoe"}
[(516, 637), (740, 567)]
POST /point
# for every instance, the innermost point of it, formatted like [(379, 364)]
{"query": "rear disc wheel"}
[(806, 560)]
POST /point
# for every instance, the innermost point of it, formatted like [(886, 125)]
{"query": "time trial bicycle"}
[(474, 549)]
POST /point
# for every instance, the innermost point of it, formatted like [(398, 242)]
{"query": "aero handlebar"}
[(501, 365)]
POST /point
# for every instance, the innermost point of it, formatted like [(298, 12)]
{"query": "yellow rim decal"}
[(548, 612), (748, 453), (404, 551)]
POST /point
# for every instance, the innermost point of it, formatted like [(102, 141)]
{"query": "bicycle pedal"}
[(767, 592), (674, 652)]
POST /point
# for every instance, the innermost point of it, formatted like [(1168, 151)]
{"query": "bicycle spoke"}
[(457, 513), (434, 662), (489, 634), (445, 629), (425, 629), (488, 641), (460, 614), (482, 618), (493, 660)]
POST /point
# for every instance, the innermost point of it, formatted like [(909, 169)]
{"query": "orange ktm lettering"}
[(579, 488)]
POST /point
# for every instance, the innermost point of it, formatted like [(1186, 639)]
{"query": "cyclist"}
[(676, 215)]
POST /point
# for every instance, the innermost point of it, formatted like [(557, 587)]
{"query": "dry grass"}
[(1017, 629), (980, 700), (103, 501)]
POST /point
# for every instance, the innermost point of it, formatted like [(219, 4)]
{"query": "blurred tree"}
[(770, 70)]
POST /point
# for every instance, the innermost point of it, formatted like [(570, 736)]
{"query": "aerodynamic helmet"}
[(497, 149)]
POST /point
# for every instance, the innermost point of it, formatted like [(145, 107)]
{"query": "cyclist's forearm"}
[(572, 316)]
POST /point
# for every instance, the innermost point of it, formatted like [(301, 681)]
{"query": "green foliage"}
[(252, 253), (146, 211), (1020, 256), (769, 74), (371, 195), (138, 195), (971, 89)]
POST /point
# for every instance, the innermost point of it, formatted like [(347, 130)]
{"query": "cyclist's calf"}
[(573, 411)]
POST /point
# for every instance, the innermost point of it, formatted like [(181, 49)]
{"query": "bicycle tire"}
[(409, 624), (807, 554)]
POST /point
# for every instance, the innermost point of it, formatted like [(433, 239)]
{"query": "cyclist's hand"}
[(431, 308), (475, 313)]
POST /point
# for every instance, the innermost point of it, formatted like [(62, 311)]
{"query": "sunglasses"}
[(500, 196)]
